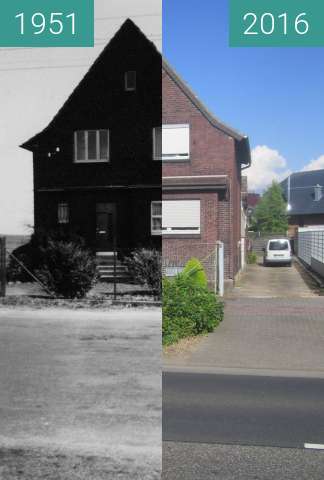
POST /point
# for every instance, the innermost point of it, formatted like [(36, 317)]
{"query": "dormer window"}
[(318, 193), (91, 146), (130, 81)]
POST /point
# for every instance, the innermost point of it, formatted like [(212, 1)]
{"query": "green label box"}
[(47, 23), (276, 23)]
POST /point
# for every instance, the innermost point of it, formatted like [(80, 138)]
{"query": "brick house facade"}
[(94, 174), (211, 175)]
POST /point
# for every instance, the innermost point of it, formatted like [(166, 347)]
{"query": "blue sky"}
[(274, 95)]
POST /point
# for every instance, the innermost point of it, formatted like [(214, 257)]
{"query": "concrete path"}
[(274, 281), (78, 385)]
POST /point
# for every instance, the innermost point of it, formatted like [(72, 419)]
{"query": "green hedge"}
[(188, 309)]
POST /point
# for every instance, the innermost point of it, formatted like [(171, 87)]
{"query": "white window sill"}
[(182, 232), (91, 161)]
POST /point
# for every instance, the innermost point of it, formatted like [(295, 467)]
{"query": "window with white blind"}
[(156, 218), (63, 212), (91, 146), (180, 217), (171, 142)]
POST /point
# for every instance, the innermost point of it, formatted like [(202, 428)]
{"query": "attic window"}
[(130, 81), (91, 146)]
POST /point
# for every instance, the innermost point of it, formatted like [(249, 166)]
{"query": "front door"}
[(105, 226)]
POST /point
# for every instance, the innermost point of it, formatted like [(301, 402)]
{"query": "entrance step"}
[(106, 268)]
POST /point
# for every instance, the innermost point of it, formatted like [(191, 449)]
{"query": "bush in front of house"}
[(196, 272), (31, 254), (67, 269), (145, 266), (252, 258), (188, 309)]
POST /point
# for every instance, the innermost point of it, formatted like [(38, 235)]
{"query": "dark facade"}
[(211, 175), (94, 173)]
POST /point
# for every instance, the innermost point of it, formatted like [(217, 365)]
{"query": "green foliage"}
[(196, 272), (252, 258), (188, 309), (67, 270), (270, 215), (31, 254), (145, 266)]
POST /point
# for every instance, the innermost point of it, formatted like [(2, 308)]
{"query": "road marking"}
[(314, 446)]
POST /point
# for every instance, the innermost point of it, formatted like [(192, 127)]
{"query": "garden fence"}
[(211, 256), (311, 247)]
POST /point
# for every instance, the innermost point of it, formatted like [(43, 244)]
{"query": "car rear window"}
[(279, 245)]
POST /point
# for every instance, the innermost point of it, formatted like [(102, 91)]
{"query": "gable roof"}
[(128, 28), (242, 139), (302, 192)]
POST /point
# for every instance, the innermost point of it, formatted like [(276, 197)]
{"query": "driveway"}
[(274, 282), (80, 394), (269, 328)]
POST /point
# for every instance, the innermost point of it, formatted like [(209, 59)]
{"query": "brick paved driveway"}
[(275, 330)]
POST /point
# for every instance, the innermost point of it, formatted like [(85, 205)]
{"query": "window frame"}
[(60, 219), (86, 139), (189, 231), (176, 157), (127, 88), (153, 216)]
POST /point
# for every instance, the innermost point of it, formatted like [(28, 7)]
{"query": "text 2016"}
[(267, 24)]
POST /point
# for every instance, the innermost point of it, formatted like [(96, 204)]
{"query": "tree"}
[(270, 215)]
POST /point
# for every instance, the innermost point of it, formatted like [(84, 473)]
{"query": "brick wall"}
[(212, 152)]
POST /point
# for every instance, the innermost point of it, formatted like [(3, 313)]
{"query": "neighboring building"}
[(304, 193), (202, 163), (94, 170)]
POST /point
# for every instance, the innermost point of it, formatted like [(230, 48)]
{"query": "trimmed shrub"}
[(31, 254), (252, 258), (188, 309), (67, 270), (196, 272), (145, 266)]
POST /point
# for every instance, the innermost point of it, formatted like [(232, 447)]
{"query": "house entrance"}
[(105, 226)]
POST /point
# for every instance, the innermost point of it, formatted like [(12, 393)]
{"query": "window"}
[(91, 146), (130, 81), (156, 218), (181, 217), (172, 142), (63, 212)]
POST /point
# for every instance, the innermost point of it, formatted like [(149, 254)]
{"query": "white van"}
[(277, 251)]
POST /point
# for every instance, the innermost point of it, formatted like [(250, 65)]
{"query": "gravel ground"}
[(80, 394)]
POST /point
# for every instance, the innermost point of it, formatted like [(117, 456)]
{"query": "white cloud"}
[(317, 164), (267, 165)]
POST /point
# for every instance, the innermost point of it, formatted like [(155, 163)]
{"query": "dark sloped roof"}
[(302, 192)]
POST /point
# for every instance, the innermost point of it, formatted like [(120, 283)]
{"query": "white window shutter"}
[(181, 216), (175, 141)]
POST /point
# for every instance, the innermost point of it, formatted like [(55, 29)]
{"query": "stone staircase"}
[(105, 267)]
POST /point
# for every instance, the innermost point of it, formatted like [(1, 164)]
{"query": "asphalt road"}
[(243, 410)]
